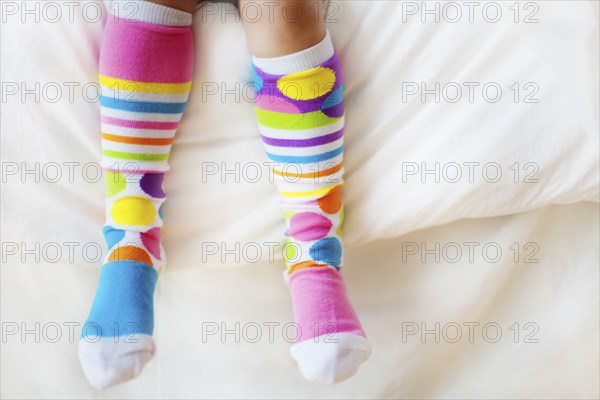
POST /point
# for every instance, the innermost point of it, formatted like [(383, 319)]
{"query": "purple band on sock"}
[(317, 141)]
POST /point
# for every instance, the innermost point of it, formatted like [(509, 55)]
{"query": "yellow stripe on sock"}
[(313, 193), (145, 87), (309, 120)]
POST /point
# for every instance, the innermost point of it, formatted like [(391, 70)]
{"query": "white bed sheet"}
[(384, 136), (558, 295)]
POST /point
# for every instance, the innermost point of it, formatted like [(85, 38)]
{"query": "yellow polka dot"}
[(136, 211), (115, 183), (307, 85)]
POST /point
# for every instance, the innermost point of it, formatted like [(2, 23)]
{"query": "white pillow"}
[(546, 152)]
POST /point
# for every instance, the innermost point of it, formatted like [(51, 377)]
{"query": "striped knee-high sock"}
[(300, 111), (146, 67)]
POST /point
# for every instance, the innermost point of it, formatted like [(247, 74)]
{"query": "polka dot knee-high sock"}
[(146, 67), (300, 111)]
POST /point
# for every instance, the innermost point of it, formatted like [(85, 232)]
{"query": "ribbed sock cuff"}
[(152, 13), (300, 61)]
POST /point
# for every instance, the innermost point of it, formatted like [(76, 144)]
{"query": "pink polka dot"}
[(151, 241), (308, 226), (277, 104)]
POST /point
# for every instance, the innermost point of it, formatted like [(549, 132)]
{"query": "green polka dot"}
[(339, 229), (288, 215), (115, 183), (289, 251)]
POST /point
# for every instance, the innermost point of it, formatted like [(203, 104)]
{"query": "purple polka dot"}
[(152, 184), (151, 241), (336, 111), (308, 226)]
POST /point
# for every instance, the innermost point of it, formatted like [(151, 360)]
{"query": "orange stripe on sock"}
[(138, 140), (318, 174), (305, 264), (130, 253)]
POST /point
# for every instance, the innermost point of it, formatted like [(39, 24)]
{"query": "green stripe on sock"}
[(277, 120), (135, 156)]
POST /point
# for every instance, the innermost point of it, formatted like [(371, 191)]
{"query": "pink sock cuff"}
[(321, 305), (129, 48), (152, 13)]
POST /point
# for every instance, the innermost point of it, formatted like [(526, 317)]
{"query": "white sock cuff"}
[(300, 61), (152, 13)]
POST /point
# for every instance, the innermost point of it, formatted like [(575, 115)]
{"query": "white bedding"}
[(386, 51), (557, 296)]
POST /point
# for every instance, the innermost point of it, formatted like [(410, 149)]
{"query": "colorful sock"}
[(300, 112), (146, 67)]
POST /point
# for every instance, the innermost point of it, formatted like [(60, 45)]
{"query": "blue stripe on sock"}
[(307, 159), (155, 107), (124, 302)]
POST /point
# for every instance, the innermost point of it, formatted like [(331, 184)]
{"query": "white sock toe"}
[(107, 363), (331, 358)]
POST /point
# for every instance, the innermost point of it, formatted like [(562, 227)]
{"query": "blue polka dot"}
[(160, 212), (334, 98), (328, 251), (258, 80), (112, 235)]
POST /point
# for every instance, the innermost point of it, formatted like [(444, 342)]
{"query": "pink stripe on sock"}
[(126, 123), (129, 51), (321, 305)]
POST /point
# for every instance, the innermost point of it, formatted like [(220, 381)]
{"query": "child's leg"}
[(146, 68), (301, 118)]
